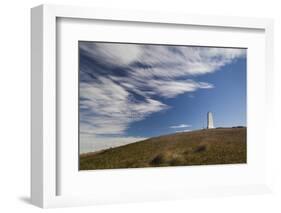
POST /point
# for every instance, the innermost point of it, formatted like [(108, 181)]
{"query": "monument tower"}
[(210, 121)]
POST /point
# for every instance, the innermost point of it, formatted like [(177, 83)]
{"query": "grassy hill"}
[(202, 147)]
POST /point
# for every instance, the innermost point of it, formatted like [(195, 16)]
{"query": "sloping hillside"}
[(202, 147)]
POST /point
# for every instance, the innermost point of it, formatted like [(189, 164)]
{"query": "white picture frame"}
[(44, 149)]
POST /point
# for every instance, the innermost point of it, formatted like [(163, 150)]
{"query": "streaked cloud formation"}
[(185, 130), (180, 126), (124, 83)]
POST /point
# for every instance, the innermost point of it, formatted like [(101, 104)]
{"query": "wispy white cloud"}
[(170, 89), (109, 108), (113, 54), (180, 126), (91, 142), (110, 102), (163, 61), (185, 130)]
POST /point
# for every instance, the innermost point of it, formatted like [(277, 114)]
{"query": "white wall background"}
[(15, 98)]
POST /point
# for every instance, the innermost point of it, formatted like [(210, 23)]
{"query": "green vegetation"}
[(202, 147)]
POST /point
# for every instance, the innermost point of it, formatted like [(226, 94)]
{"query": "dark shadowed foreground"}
[(202, 147)]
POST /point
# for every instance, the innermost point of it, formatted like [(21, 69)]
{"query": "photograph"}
[(159, 105)]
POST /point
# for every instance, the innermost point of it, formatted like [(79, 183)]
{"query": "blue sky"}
[(129, 92)]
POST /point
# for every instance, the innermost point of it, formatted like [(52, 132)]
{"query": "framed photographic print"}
[(146, 105), (129, 106)]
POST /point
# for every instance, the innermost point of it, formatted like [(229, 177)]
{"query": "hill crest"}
[(199, 147)]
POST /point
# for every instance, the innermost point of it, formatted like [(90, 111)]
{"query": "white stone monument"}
[(210, 121)]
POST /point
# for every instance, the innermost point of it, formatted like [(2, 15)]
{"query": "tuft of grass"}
[(158, 160), (202, 147)]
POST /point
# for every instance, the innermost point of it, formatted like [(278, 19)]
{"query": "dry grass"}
[(202, 147)]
